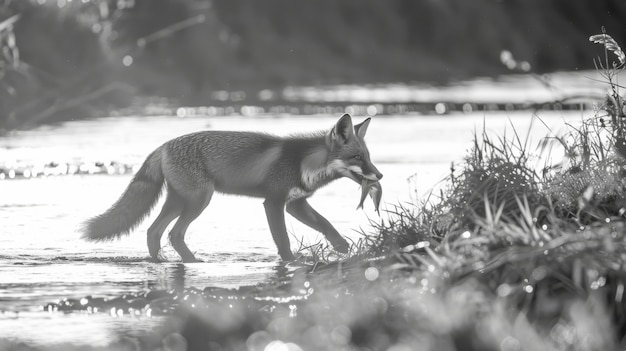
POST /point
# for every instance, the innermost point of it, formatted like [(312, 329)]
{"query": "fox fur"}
[(284, 171)]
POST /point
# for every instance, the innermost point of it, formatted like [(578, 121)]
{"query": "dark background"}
[(68, 58)]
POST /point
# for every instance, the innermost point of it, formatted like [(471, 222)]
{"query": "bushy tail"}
[(132, 207)]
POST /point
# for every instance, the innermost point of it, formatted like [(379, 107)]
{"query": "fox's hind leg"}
[(172, 208), (194, 203)]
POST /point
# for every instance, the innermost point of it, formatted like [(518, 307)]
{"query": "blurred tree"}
[(64, 60), (9, 65), (73, 55), (174, 45)]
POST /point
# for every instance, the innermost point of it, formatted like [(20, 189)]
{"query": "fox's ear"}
[(361, 128), (343, 130)]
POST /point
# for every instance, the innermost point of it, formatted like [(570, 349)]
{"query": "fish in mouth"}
[(374, 189)]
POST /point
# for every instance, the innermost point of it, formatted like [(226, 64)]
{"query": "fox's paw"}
[(342, 246), (155, 259), (287, 256)]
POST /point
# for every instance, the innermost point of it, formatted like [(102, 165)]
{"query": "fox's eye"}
[(357, 157)]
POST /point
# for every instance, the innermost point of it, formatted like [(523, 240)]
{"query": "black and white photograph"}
[(294, 175)]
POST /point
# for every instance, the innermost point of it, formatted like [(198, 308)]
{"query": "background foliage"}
[(77, 56)]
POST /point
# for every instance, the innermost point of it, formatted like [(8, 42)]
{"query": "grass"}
[(507, 256), (542, 249)]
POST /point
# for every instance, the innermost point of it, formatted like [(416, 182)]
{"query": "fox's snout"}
[(370, 171), (373, 175), (377, 173)]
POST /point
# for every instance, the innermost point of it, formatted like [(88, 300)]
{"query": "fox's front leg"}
[(303, 212), (275, 212)]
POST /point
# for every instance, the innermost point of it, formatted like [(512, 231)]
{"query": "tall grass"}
[(547, 244)]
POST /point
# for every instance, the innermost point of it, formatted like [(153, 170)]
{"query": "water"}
[(42, 258)]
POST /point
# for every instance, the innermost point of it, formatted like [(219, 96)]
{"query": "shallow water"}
[(42, 258)]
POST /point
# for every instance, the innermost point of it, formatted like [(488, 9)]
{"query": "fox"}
[(284, 171)]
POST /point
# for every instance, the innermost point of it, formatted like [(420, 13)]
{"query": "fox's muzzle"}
[(371, 172)]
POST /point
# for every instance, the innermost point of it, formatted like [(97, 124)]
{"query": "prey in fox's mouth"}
[(374, 189)]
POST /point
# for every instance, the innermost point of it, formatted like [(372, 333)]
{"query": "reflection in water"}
[(178, 277)]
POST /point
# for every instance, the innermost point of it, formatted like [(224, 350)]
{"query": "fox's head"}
[(348, 154)]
